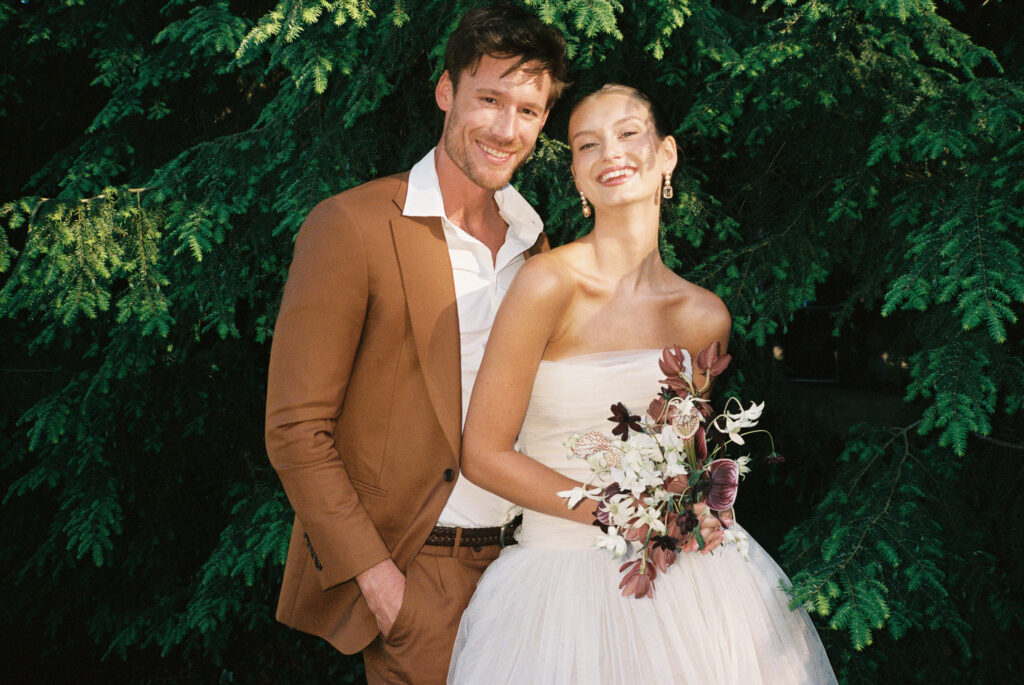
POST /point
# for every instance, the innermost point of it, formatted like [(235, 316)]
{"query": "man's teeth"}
[(494, 152), (615, 174)]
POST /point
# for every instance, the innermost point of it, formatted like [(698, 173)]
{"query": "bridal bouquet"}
[(654, 470)]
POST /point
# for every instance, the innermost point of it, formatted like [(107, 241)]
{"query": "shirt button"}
[(448, 475)]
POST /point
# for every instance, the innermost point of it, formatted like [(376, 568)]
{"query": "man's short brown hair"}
[(504, 31)]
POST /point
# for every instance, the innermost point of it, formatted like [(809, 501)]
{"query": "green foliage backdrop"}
[(853, 188)]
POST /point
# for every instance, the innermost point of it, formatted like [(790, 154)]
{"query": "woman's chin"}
[(617, 200)]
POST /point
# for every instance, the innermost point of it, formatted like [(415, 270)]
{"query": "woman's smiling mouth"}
[(617, 175)]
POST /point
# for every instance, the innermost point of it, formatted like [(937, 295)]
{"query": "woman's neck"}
[(625, 244)]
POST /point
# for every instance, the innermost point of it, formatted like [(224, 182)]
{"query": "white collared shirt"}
[(480, 285)]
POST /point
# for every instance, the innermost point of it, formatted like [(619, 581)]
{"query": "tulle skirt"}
[(549, 611)]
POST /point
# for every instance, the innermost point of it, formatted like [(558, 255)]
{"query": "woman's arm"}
[(528, 319)]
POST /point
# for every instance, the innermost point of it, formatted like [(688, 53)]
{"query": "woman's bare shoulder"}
[(702, 311), (709, 303), (546, 270), (544, 279)]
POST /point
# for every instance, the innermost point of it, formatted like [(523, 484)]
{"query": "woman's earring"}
[(666, 190), (586, 207)]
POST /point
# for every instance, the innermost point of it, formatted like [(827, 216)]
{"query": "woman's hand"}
[(711, 529)]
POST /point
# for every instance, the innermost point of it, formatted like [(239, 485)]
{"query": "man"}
[(386, 311)]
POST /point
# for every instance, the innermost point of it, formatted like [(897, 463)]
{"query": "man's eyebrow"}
[(483, 90)]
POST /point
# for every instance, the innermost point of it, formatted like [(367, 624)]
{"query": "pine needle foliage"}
[(864, 156)]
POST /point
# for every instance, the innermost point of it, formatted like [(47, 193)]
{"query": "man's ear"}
[(444, 92)]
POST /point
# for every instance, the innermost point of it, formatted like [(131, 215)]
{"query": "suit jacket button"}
[(448, 475)]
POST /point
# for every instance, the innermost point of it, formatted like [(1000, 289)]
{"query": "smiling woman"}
[(580, 330), (616, 143)]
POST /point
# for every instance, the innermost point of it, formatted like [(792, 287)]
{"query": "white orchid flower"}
[(651, 517), (744, 418), (577, 495), (731, 536), (612, 541), (636, 473), (674, 446), (620, 509), (733, 429), (670, 438)]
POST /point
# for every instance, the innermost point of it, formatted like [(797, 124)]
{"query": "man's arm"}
[(315, 342)]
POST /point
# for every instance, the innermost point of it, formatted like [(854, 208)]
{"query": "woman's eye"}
[(587, 146), (626, 134)]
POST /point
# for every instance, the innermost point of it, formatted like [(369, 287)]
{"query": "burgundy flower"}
[(603, 518), (672, 526), (663, 552), (638, 580), (709, 363), (706, 410), (610, 490), (656, 410), (687, 521), (624, 421), (725, 479), (673, 365), (637, 534), (676, 485), (701, 442), (775, 458)]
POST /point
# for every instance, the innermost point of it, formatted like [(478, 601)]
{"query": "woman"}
[(581, 328)]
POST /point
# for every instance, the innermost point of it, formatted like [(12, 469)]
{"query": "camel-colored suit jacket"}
[(363, 401)]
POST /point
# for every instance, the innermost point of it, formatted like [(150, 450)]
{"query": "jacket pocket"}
[(367, 489)]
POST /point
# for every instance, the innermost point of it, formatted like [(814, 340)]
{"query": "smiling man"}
[(387, 308)]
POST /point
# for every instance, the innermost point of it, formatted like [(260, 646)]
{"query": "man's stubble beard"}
[(456, 150)]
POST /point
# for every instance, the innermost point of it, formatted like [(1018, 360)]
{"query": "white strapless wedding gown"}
[(548, 610)]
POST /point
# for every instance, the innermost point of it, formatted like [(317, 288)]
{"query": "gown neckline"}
[(608, 354)]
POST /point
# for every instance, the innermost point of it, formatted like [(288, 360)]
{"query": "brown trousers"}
[(438, 585)]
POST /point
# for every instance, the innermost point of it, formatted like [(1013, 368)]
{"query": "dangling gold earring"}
[(666, 190), (586, 207)]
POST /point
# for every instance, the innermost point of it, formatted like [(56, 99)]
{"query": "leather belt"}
[(444, 536)]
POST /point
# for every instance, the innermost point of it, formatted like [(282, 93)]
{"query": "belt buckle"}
[(510, 527), (501, 534)]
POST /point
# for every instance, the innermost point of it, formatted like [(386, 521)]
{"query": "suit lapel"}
[(430, 296)]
